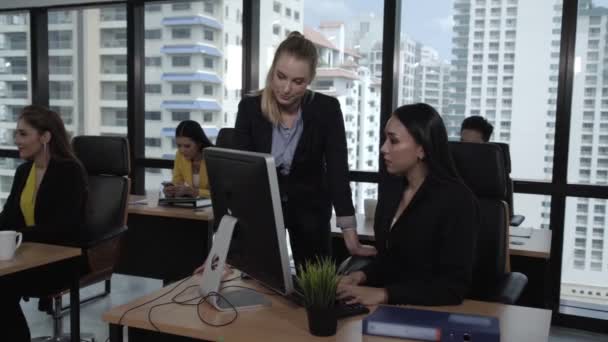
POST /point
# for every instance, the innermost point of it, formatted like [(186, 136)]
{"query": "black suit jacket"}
[(60, 204), (319, 171), (427, 256)]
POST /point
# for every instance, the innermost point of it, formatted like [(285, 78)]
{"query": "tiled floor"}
[(125, 288)]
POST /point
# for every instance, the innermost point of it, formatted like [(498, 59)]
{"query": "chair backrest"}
[(507, 159), (106, 160), (481, 166), (225, 138)]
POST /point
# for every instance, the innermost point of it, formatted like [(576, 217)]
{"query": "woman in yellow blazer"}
[(189, 170)]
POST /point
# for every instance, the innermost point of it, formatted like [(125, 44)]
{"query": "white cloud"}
[(445, 24), (328, 10)]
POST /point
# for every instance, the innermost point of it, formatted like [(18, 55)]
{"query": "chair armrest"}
[(516, 220), (511, 287)]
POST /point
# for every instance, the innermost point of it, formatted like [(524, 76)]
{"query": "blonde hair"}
[(295, 45)]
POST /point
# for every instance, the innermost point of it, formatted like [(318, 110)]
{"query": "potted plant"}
[(318, 281)]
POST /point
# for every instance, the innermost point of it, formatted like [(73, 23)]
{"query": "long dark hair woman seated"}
[(426, 220), (46, 203)]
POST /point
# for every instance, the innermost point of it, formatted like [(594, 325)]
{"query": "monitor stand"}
[(210, 286)]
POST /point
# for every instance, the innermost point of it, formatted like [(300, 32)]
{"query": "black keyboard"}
[(344, 310)]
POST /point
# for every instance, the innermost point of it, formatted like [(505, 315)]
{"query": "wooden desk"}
[(537, 246), (33, 255), (165, 242), (532, 259), (201, 214), (284, 321)]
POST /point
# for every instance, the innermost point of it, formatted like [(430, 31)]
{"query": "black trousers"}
[(309, 234), (37, 282)]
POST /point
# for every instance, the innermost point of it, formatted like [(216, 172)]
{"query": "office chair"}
[(225, 138), (516, 220), (482, 169), (106, 161)]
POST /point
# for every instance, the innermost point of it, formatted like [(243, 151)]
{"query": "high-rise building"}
[(505, 68), (340, 75), (585, 261)]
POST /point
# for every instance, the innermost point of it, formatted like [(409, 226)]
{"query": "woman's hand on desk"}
[(182, 190), (169, 190), (362, 294), (354, 246)]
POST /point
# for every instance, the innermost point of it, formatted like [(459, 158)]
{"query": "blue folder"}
[(425, 325)]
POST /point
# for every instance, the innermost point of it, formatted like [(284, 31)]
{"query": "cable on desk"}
[(151, 300), (216, 294), (202, 300), (250, 288)]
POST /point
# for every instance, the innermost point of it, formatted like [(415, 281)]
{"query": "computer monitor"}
[(245, 196)]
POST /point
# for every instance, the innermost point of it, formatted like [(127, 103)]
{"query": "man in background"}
[(475, 129)]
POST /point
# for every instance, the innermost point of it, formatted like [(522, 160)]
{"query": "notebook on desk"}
[(188, 202)]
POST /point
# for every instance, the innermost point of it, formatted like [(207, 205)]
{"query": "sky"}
[(429, 22)]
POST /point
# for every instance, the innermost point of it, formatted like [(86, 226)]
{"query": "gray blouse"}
[(284, 143)]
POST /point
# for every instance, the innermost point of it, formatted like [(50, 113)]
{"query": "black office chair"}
[(106, 160), (516, 220), (482, 168), (225, 138)]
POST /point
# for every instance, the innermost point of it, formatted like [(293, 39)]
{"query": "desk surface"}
[(538, 245), (285, 321), (202, 214), (31, 255)]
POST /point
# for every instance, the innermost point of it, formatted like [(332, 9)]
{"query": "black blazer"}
[(60, 204), (427, 257), (319, 171)]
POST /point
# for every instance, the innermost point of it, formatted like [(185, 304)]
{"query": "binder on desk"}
[(189, 202), (424, 325)]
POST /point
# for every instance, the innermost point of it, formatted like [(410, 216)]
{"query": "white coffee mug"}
[(369, 205), (10, 240)]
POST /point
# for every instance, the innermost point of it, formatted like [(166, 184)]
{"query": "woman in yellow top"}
[(189, 170)]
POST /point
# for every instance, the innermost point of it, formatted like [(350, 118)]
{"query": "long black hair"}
[(428, 130), (191, 129)]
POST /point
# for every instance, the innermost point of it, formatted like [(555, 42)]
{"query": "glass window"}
[(7, 171), (468, 54), (180, 116), (180, 33), (153, 88), (181, 61), (349, 42), (180, 6), (180, 88), (153, 34), (583, 263), (153, 115), (153, 61), (60, 39), (94, 82), (189, 66)]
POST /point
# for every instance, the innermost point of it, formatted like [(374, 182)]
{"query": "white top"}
[(196, 180)]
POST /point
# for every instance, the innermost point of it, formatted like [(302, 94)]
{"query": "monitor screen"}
[(244, 185)]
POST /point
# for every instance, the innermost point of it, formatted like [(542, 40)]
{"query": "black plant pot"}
[(322, 322)]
